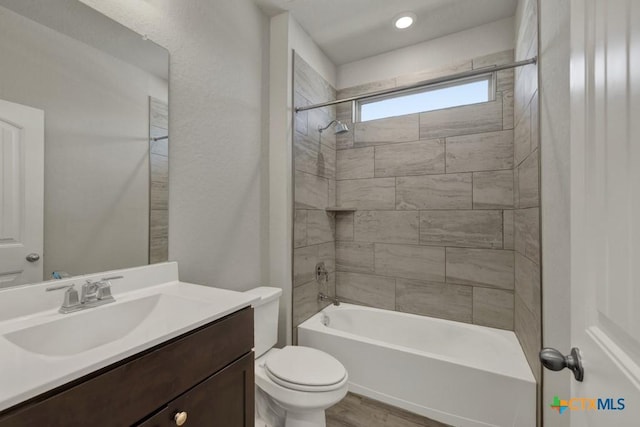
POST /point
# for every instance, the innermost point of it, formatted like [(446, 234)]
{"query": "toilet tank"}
[(265, 318)]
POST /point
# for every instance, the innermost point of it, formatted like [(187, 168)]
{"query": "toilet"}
[(295, 384)]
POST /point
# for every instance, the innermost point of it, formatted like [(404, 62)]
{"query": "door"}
[(605, 211), (21, 194)]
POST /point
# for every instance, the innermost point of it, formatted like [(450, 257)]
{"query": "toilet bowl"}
[(294, 385)]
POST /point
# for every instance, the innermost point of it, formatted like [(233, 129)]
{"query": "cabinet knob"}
[(180, 418)]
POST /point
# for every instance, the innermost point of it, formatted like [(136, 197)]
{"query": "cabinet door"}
[(225, 399)]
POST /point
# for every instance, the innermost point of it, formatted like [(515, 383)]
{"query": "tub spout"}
[(324, 297)]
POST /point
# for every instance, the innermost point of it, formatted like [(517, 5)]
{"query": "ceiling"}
[(349, 30)]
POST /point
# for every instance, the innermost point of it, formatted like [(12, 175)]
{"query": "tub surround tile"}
[(410, 262), (527, 326), (305, 298), (450, 191), (479, 229), (159, 113), (410, 158), (535, 122), (159, 147), (464, 120), (311, 191), (493, 190), (310, 84), (505, 78), (527, 233), (508, 229), (355, 163), (527, 285), (354, 257), (301, 117), (528, 175), (387, 131), (480, 152), (306, 258), (493, 308), (366, 88), (386, 226), (374, 193), (159, 195), (314, 158), (421, 76), (507, 110), (522, 136), (374, 291), (320, 227), (446, 301), (485, 267), (300, 228), (159, 167), (344, 226)]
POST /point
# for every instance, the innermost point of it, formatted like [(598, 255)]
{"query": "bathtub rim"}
[(314, 323)]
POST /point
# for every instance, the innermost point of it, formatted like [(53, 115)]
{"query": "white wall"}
[(216, 214), (96, 144), (555, 192), (485, 39), (285, 35)]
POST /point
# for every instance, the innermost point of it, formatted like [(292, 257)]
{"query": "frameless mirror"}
[(83, 143)]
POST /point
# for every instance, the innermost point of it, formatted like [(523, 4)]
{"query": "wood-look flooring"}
[(359, 411)]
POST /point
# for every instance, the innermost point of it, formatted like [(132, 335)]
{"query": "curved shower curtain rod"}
[(425, 83)]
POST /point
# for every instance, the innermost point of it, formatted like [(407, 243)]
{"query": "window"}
[(461, 92)]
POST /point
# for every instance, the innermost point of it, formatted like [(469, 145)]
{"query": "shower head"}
[(338, 129)]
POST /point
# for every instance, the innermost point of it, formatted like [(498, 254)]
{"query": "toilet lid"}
[(303, 366)]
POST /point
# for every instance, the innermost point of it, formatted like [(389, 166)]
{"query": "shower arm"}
[(322, 129)]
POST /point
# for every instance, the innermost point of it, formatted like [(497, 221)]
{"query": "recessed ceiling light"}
[(404, 20)]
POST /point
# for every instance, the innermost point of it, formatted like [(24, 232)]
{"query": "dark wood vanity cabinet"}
[(207, 374)]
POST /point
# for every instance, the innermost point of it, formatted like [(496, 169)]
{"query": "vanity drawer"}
[(225, 399), (124, 393)]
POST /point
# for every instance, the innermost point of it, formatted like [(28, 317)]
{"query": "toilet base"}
[(305, 419)]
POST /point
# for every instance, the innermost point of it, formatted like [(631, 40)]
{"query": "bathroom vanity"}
[(185, 357)]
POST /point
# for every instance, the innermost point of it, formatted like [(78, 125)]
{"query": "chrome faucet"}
[(93, 294), (325, 297)]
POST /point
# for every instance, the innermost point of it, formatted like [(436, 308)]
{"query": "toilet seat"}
[(305, 369)]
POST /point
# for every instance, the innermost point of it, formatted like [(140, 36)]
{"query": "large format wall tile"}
[(421, 76), (493, 190), (305, 298), (366, 289), (442, 300), (375, 193), (522, 137), (355, 163), (468, 119), (300, 228), (410, 262), (311, 191), (504, 80), (410, 158), (320, 227), (480, 152), (508, 229), (385, 131), (355, 257), (493, 307), (487, 267), (479, 229), (386, 226), (528, 326), (528, 282), (451, 191), (344, 226), (527, 233), (306, 258), (528, 175)]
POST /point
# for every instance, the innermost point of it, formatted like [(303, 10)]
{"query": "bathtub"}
[(452, 372)]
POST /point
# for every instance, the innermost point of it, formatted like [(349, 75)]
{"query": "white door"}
[(605, 211), (21, 193)]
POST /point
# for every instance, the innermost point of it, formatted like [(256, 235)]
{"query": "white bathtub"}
[(452, 372)]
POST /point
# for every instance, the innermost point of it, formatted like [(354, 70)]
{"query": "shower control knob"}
[(180, 418), (553, 360)]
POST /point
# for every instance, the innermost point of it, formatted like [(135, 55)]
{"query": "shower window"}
[(461, 92)]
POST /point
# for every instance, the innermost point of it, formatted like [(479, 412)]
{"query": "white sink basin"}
[(94, 327)]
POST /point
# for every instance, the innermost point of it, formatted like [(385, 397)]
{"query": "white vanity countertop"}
[(25, 374)]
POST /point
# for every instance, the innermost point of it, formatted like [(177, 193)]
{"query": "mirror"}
[(98, 172)]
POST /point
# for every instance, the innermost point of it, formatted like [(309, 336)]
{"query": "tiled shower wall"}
[(526, 186), (434, 193), (314, 159), (159, 182)]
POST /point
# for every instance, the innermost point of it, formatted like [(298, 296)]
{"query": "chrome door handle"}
[(553, 360), (33, 257)]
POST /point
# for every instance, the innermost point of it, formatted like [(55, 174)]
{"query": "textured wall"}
[(433, 230), (314, 159), (526, 188), (217, 226)]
